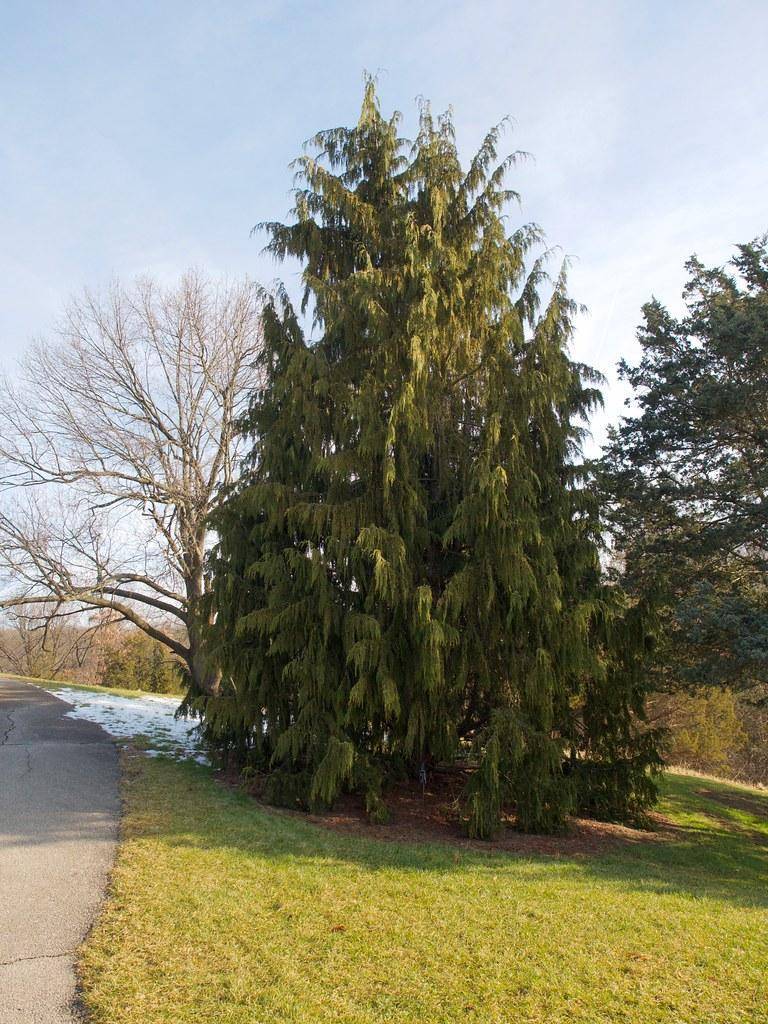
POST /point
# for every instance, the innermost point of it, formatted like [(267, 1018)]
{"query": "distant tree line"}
[(101, 651)]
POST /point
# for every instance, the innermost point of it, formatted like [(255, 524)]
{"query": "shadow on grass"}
[(716, 851)]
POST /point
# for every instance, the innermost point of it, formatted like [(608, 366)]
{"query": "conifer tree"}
[(408, 571), (687, 476)]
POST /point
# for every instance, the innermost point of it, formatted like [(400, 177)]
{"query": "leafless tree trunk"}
[(115, 441)]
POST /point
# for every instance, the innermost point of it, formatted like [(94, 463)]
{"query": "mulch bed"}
[(432, 815)]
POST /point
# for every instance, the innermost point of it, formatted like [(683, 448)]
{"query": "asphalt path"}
[(59, 811)]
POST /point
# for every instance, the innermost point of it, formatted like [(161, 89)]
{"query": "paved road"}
[(59, 809)]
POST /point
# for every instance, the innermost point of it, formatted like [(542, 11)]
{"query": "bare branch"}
[(115, 440)]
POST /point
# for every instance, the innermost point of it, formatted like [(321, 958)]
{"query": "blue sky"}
[(151, 136)]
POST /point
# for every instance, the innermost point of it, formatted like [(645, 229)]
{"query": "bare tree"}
[(115, 441)]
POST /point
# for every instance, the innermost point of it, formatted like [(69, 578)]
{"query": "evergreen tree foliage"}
[(408, 571), (688, 476)]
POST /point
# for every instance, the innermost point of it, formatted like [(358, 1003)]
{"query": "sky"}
[(148, 137)]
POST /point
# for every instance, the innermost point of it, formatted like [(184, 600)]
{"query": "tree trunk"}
[(205, 676)]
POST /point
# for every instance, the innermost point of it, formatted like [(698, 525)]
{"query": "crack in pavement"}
[(38, 956), (27, 749), (9, 730)]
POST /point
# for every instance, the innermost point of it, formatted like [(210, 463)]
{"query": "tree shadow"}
[(712, 858)]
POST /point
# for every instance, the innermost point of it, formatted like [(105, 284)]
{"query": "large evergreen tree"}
[(408, 571), (687, 475)]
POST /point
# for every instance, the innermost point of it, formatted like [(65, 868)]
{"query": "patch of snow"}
[(128, 717)]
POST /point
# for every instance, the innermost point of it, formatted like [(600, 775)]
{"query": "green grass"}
[(62, 684), (224, 913)]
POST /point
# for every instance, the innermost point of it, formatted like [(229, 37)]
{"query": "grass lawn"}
[(224, 913)]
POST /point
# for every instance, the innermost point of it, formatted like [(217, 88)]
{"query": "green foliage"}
[(140, 663), (688, 475), (408, 570), (705, 728), (715, 729)]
